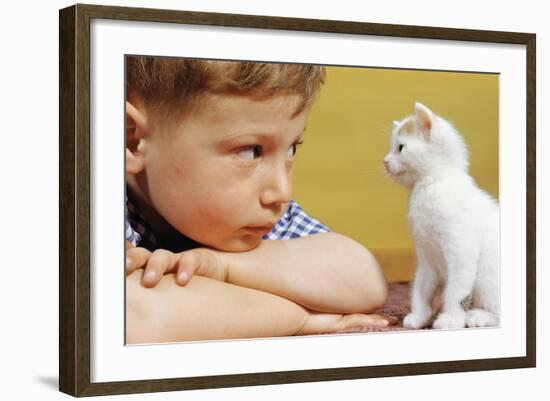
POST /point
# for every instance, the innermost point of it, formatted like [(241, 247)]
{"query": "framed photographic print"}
[(261, 158)]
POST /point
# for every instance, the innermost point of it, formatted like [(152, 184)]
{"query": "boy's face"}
[(223, 178)]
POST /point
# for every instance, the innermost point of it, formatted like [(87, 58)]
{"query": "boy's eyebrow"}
[(232, 136)]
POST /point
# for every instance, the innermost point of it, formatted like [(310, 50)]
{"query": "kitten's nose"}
[(386, 163)]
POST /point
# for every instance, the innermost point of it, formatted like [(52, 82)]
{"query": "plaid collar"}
[(150, 239), (295, 223)]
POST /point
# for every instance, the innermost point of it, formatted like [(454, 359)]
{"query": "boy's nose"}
[(278, 188)]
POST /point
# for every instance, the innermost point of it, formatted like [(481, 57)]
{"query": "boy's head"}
[(170, 88), (210, 145)]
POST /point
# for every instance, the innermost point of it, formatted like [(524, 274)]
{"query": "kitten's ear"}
[(424, 117), (395, 124)]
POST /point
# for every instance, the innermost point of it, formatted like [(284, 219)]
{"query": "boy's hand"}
[(202, 261), (325, 323)]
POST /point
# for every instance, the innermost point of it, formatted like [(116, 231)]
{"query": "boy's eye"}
[(250, 152), (293, 149), (401, 147)]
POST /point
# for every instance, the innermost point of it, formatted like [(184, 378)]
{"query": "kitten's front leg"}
[(460, 281), (423, 288)]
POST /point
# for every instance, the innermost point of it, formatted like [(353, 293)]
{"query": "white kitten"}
[(454, 224)]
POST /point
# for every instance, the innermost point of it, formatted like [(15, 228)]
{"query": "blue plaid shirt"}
[(294, 223)]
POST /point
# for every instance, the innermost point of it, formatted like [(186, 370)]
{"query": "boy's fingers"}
[(188, 263), (201, 261), (392, 320), (377, 320), (136, 258), (159, 263), (358, 321)]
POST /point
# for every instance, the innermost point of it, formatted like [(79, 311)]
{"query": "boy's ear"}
[(136, 130), (424, 117)]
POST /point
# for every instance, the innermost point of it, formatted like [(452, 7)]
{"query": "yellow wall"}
[(338, 174)]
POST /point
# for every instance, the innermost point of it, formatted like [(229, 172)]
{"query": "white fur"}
[(454, 224)]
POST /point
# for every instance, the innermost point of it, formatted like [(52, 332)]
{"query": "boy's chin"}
[(241, 244)]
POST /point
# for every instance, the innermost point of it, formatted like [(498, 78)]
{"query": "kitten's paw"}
[(450, 321), (415, 321), (480, 318)]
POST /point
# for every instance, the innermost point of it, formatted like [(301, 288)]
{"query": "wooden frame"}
[(74, 203)]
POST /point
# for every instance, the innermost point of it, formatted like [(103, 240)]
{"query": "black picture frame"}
[(74, 198)]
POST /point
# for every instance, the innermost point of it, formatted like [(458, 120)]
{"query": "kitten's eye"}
[(401, 147), (249, 152)]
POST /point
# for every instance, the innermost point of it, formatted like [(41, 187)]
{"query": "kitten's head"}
[(424, 144)]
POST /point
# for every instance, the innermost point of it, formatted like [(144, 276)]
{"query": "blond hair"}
[(170, 86)]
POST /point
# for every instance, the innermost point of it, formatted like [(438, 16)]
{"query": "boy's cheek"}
[(215, 231)]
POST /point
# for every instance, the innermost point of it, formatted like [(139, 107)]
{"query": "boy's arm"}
[(205, 309), (325, 272), (210, 309)]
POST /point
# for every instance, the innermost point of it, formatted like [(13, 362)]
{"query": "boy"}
[(210, 149)]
